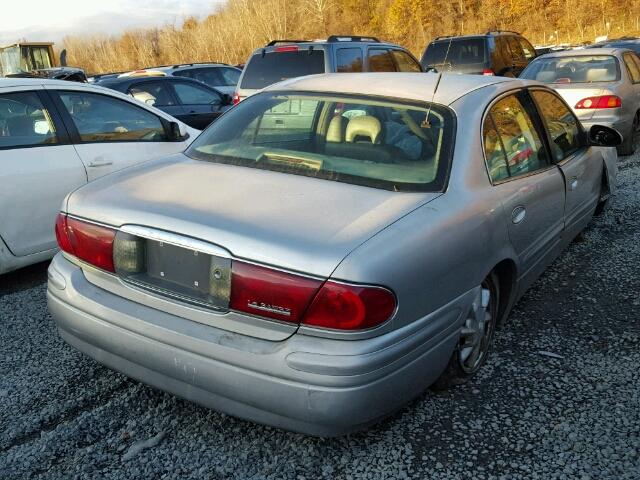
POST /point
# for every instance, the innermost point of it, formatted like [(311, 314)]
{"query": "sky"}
[(51, 20)]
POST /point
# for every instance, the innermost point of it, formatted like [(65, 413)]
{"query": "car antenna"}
[(426, 123)]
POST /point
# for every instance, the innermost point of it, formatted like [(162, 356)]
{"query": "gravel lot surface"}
[(560, 397)]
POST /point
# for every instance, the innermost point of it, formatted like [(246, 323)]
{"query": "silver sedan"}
[(602, 85), (332, 246)]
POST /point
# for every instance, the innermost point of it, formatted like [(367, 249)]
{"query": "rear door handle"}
[(99, 162), (518, 214), (574, 183)]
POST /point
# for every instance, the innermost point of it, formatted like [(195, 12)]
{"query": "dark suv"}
[(494, 53), (282, 59)]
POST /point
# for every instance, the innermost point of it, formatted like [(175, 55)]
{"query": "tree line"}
[(237, 27)]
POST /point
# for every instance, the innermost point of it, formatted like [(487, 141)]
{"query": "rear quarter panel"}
[(445, 248)]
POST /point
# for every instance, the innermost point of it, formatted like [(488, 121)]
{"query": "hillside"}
[(232, 32)]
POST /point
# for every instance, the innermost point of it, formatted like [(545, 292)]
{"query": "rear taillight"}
[(350, 307), (288, 297), (488, 72), (89, 242), (604, 101), (235, 99), (270, 293)]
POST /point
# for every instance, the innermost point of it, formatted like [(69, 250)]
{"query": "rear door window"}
[(527, 48), (24, 121), (349, 60), (632, 67), (405, 62), (560, 122), (521, 146), (155, 94), (515, 48), (272, 67), (380, 60)]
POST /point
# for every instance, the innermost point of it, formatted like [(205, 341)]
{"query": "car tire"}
[(627, 147), (476, 337)]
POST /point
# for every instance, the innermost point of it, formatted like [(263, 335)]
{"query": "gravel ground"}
[(528, 415)]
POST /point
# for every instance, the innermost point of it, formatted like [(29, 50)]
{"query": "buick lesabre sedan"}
[(329, 249)]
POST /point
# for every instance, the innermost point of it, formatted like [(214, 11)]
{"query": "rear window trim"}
[(442, 177)]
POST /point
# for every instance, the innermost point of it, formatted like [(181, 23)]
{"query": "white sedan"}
[(55, 136)]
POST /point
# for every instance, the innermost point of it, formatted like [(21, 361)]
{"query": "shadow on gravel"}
[(23, 279)]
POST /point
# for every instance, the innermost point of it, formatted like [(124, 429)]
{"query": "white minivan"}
[(56, 136)]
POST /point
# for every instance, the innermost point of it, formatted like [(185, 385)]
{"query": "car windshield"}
[(463, 51), (353, 139), (575, 69), (273, 67)]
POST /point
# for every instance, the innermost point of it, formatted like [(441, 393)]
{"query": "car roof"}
[(446, 38), (33, 82), (188, 66), (409, 86), (584, 52), (160, 78), (326, 43)]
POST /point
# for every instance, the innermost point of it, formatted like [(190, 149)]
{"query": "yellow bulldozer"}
[(37, 59)]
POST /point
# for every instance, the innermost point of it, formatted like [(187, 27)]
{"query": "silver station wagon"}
[(328, 249)]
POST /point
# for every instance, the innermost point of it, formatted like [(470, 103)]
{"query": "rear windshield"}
[(578, 69), (343, 138), (273, 67), (463, 51)]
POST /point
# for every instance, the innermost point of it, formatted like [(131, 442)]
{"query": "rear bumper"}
[(312, 385)]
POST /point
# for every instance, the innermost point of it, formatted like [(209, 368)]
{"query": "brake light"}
[(87, 241), (604, 101), (270, 293), (488, 72), (350, 307), (287, 48), (236, 98)]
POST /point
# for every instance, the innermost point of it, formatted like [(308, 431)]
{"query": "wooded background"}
[(237, 27)]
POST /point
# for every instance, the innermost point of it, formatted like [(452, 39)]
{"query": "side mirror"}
[(176, 132), (602, 136)]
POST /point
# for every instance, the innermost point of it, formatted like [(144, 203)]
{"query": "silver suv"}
[(283, 59)]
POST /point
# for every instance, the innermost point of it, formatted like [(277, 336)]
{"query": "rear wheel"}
[(628, 146), (476, 336)]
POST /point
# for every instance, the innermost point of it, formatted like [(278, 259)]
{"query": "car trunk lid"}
[(294, 223)]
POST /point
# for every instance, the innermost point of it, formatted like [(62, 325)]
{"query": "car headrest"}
[(598, 75), (365, 126), (546, 77), (335, 132)]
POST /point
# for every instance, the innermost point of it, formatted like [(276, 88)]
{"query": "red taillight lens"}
[(270, 293), (62, 235), (488, 72), (87, 241), (235, 99), (350, 307), (604, 101)]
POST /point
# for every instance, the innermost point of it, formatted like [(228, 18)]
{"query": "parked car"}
[(283, 59), (602, 85), (56, 136), (219, 76), (332, 247), (632, 43), (188, 100), (499, 53)]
